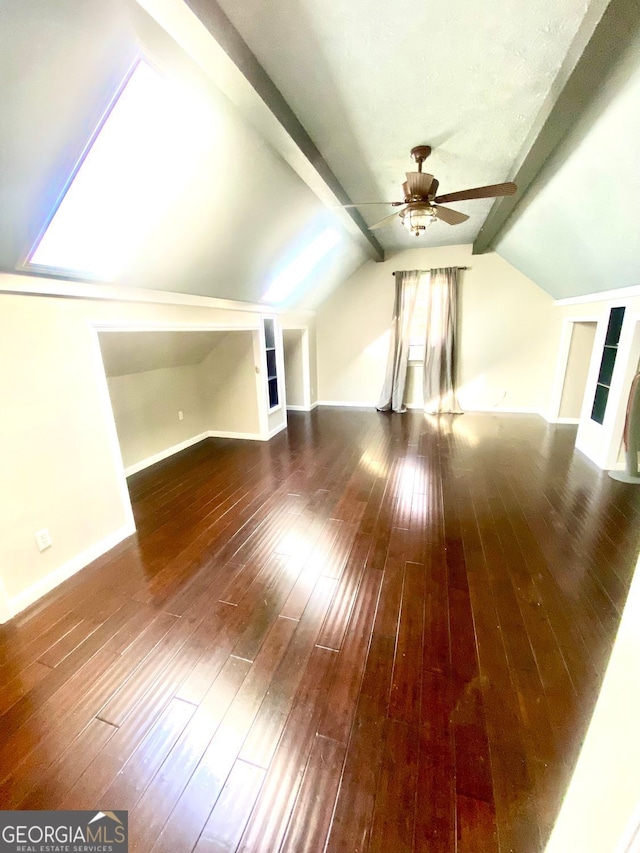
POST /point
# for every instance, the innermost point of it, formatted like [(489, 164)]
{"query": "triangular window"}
[(141, 157)]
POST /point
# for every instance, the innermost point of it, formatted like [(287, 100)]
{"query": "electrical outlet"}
[(43, 539), (180, 416)]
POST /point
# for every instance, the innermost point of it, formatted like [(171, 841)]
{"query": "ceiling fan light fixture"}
[(417, 218)]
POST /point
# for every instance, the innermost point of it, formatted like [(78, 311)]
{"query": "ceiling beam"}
[(598, 46), (204, 32)]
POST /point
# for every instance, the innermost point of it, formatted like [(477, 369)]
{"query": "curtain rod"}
[(455, 268)]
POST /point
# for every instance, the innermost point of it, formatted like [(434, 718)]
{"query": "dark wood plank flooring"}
[(374, 633)]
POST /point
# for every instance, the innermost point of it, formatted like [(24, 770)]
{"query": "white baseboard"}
[(247, 436), (348, 404), (418, 408), (561, 420), (189, 442), (276, 430), (303, 408), (66, 570), (503, 410), (164, 454)]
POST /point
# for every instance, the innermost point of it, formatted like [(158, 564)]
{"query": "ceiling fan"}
[(421, 206)]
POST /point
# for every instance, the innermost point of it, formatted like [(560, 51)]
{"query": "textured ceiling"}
[(367, 79), (577, 230), (370, 79)]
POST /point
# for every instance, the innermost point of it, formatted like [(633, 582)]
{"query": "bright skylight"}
[(142, 158), (302, 265)]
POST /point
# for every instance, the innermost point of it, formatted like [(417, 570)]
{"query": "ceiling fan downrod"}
[(420, 154)]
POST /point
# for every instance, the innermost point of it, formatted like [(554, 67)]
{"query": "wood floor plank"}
[(152, 810), (373, 632), (270, 818), (337, 619), (406, 682), (313, 810), (223, 830), (198, 798), (393, 822), (69, 767), (352, 820), (388, 612), (266, 730), (343, 693), (138, 771), (435, 826), (476, 826)]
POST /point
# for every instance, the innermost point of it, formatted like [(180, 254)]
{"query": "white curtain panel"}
[(392, 395), (439, 370)]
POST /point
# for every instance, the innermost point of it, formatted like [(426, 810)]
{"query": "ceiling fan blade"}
[(365, 203), (492, 191), (419, 183), (449, 215), (384, 221)]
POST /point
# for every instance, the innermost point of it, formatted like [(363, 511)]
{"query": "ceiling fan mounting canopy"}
[(421, 206), (420, 154)]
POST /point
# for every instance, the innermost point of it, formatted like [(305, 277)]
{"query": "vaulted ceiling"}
[(370, 79), (320, 103)]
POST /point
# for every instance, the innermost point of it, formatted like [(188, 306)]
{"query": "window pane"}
[(606, 365), (273, 393), (599, 404), (616, 316), (144, 155)]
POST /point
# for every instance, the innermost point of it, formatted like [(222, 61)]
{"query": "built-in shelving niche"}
[(272, 365), (607, 363)]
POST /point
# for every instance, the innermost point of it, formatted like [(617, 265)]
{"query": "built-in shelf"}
[(272, 366), (607, 363)]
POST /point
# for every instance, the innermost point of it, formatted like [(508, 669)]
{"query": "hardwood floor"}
[(373, 633)]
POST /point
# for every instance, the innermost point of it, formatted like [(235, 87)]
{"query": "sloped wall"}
[(576, 230), (146, 407)]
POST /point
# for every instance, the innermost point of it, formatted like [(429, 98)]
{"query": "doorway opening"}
[(576, 359), (296, 369)]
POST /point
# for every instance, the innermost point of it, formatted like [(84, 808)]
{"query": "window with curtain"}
[(425, 325), (423, 329)]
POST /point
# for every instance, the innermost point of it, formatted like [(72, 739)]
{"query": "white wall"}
[(578, 362), (62, 466), (293, 368), (307, 322), (601, 442), (228, 389), (605, 788), (508, 333), (146, 405)]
